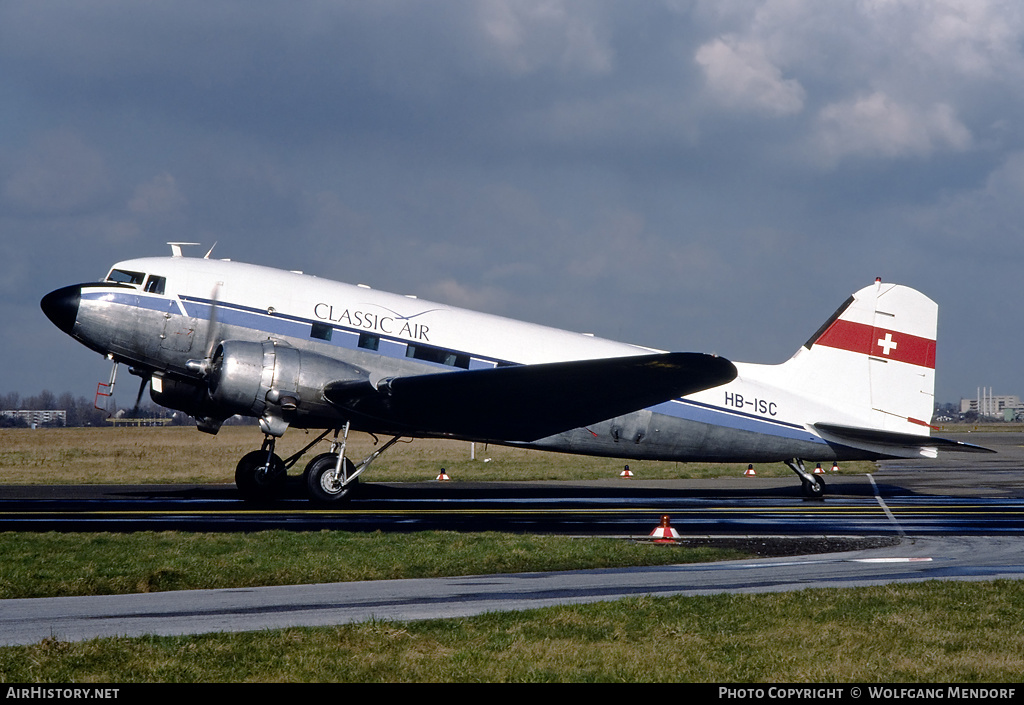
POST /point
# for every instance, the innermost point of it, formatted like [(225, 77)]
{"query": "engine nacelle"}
[(274, 382), (181, 395)]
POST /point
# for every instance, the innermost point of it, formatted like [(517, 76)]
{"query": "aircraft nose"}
[(61, 307)]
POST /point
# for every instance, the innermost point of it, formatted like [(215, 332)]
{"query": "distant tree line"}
[(82, 412)]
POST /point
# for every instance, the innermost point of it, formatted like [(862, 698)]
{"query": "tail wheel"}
[(260, 475), (814, 489), (321, 483)]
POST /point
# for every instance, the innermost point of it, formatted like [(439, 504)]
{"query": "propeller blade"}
[(202, 366), (142, 388), (212, 331)]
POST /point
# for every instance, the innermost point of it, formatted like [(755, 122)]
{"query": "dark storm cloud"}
[(690, 175)]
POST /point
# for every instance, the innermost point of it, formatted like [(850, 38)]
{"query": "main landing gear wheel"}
[(321, 484), (260, 475)]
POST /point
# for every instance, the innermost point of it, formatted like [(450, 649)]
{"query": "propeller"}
[(212, 340), (142, 388), (146, 376), (204, 365)]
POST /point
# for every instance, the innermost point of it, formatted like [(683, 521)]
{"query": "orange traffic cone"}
[(664, 533), (750, 471), (626, 472), (443, 477)]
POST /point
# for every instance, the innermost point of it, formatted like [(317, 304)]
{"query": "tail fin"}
[(866, 379), (875, 360)]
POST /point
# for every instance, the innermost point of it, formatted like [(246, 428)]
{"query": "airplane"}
[(215, 338)]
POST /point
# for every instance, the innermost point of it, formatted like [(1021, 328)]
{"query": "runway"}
[(921, 497), (857, 506), (949, 520)]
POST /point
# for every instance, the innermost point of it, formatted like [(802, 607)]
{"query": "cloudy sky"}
[(714, 175)]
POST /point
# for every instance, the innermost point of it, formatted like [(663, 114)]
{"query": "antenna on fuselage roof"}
[(207, 255), (176, 248)]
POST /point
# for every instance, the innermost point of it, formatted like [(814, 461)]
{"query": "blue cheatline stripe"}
[(706, 413), (135, 300), (139, 300), (298, 327), (348, 338)]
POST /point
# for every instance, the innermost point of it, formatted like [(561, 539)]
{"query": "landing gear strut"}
[(331, 477), (325, 483), (813, 485)]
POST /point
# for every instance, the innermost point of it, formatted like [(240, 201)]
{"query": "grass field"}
[(184, 455), (61, 564), (936, 632)]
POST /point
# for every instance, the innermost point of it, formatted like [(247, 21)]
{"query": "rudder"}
[(875, 357)]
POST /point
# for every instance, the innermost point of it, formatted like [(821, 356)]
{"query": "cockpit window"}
[(122, 276), (155, 284)]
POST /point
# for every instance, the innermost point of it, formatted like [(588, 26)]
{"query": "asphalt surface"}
[(891, 547), (954, 494)]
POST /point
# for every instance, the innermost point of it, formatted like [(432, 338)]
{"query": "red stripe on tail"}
[(881, 343)]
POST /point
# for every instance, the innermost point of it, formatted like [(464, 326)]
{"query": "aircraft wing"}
[(854, 435), (527, 402)]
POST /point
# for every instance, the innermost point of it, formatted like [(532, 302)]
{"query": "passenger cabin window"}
[(369, 342), (445, 357), (123, 276), (321, 331), (156, 285)]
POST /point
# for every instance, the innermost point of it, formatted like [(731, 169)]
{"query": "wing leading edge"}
[(527, 402)]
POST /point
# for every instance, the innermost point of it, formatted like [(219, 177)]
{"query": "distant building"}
[(51, 417), (991, 405)]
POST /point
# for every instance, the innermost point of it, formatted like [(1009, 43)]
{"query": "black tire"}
[(319, 485), (815, 489), (256, 481)]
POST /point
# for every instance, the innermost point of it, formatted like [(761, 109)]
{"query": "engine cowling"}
[(274, 382)]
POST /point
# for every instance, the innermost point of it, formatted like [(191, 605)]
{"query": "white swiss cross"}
[(886, 343)]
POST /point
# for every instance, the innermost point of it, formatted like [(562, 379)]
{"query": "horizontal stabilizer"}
[(855, 435), (527, 402)]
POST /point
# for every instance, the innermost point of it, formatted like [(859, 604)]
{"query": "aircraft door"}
[(179, 331)]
